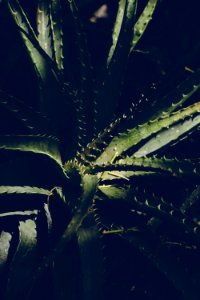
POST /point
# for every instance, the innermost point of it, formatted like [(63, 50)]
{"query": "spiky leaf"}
[(132, 137)]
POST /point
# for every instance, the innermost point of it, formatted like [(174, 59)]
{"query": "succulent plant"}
[(74, 176)]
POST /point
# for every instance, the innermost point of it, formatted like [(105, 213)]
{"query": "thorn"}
[(188, 69)]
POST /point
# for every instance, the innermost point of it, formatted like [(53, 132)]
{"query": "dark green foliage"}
[(96, 204)]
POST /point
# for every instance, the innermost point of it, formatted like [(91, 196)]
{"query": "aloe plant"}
[(76, 176)]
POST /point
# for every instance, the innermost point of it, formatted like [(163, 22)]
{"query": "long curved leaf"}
[(57, 32), (35, 144), (5, 239), (109, 88), (24, 261), (84, 100), (117, 28), (23, 190), (172, 135), (143, 22), (132, 137), (22, 22), (43, 26), (175, 167)]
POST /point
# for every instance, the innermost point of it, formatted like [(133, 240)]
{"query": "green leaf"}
[(174, 166), (173, 134), (84, 100), (43, 26), (81, 41), (117, 28), (126, 165), (18, 215), (178, 96), (113, 192), (110, 85), (24, 261), (143, 22), (37, 144), (144, 109), (5, 239), (42, 149), (85, 262), (125, 176), (23, 190), (57, 32), (28, 35), (174, 126), (30, 171), (89, 184)]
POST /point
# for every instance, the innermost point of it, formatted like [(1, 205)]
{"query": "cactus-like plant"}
[(74, 176)]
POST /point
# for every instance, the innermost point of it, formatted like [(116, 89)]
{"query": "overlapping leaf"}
[(110, 86), (175, 126), (20, 267)]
